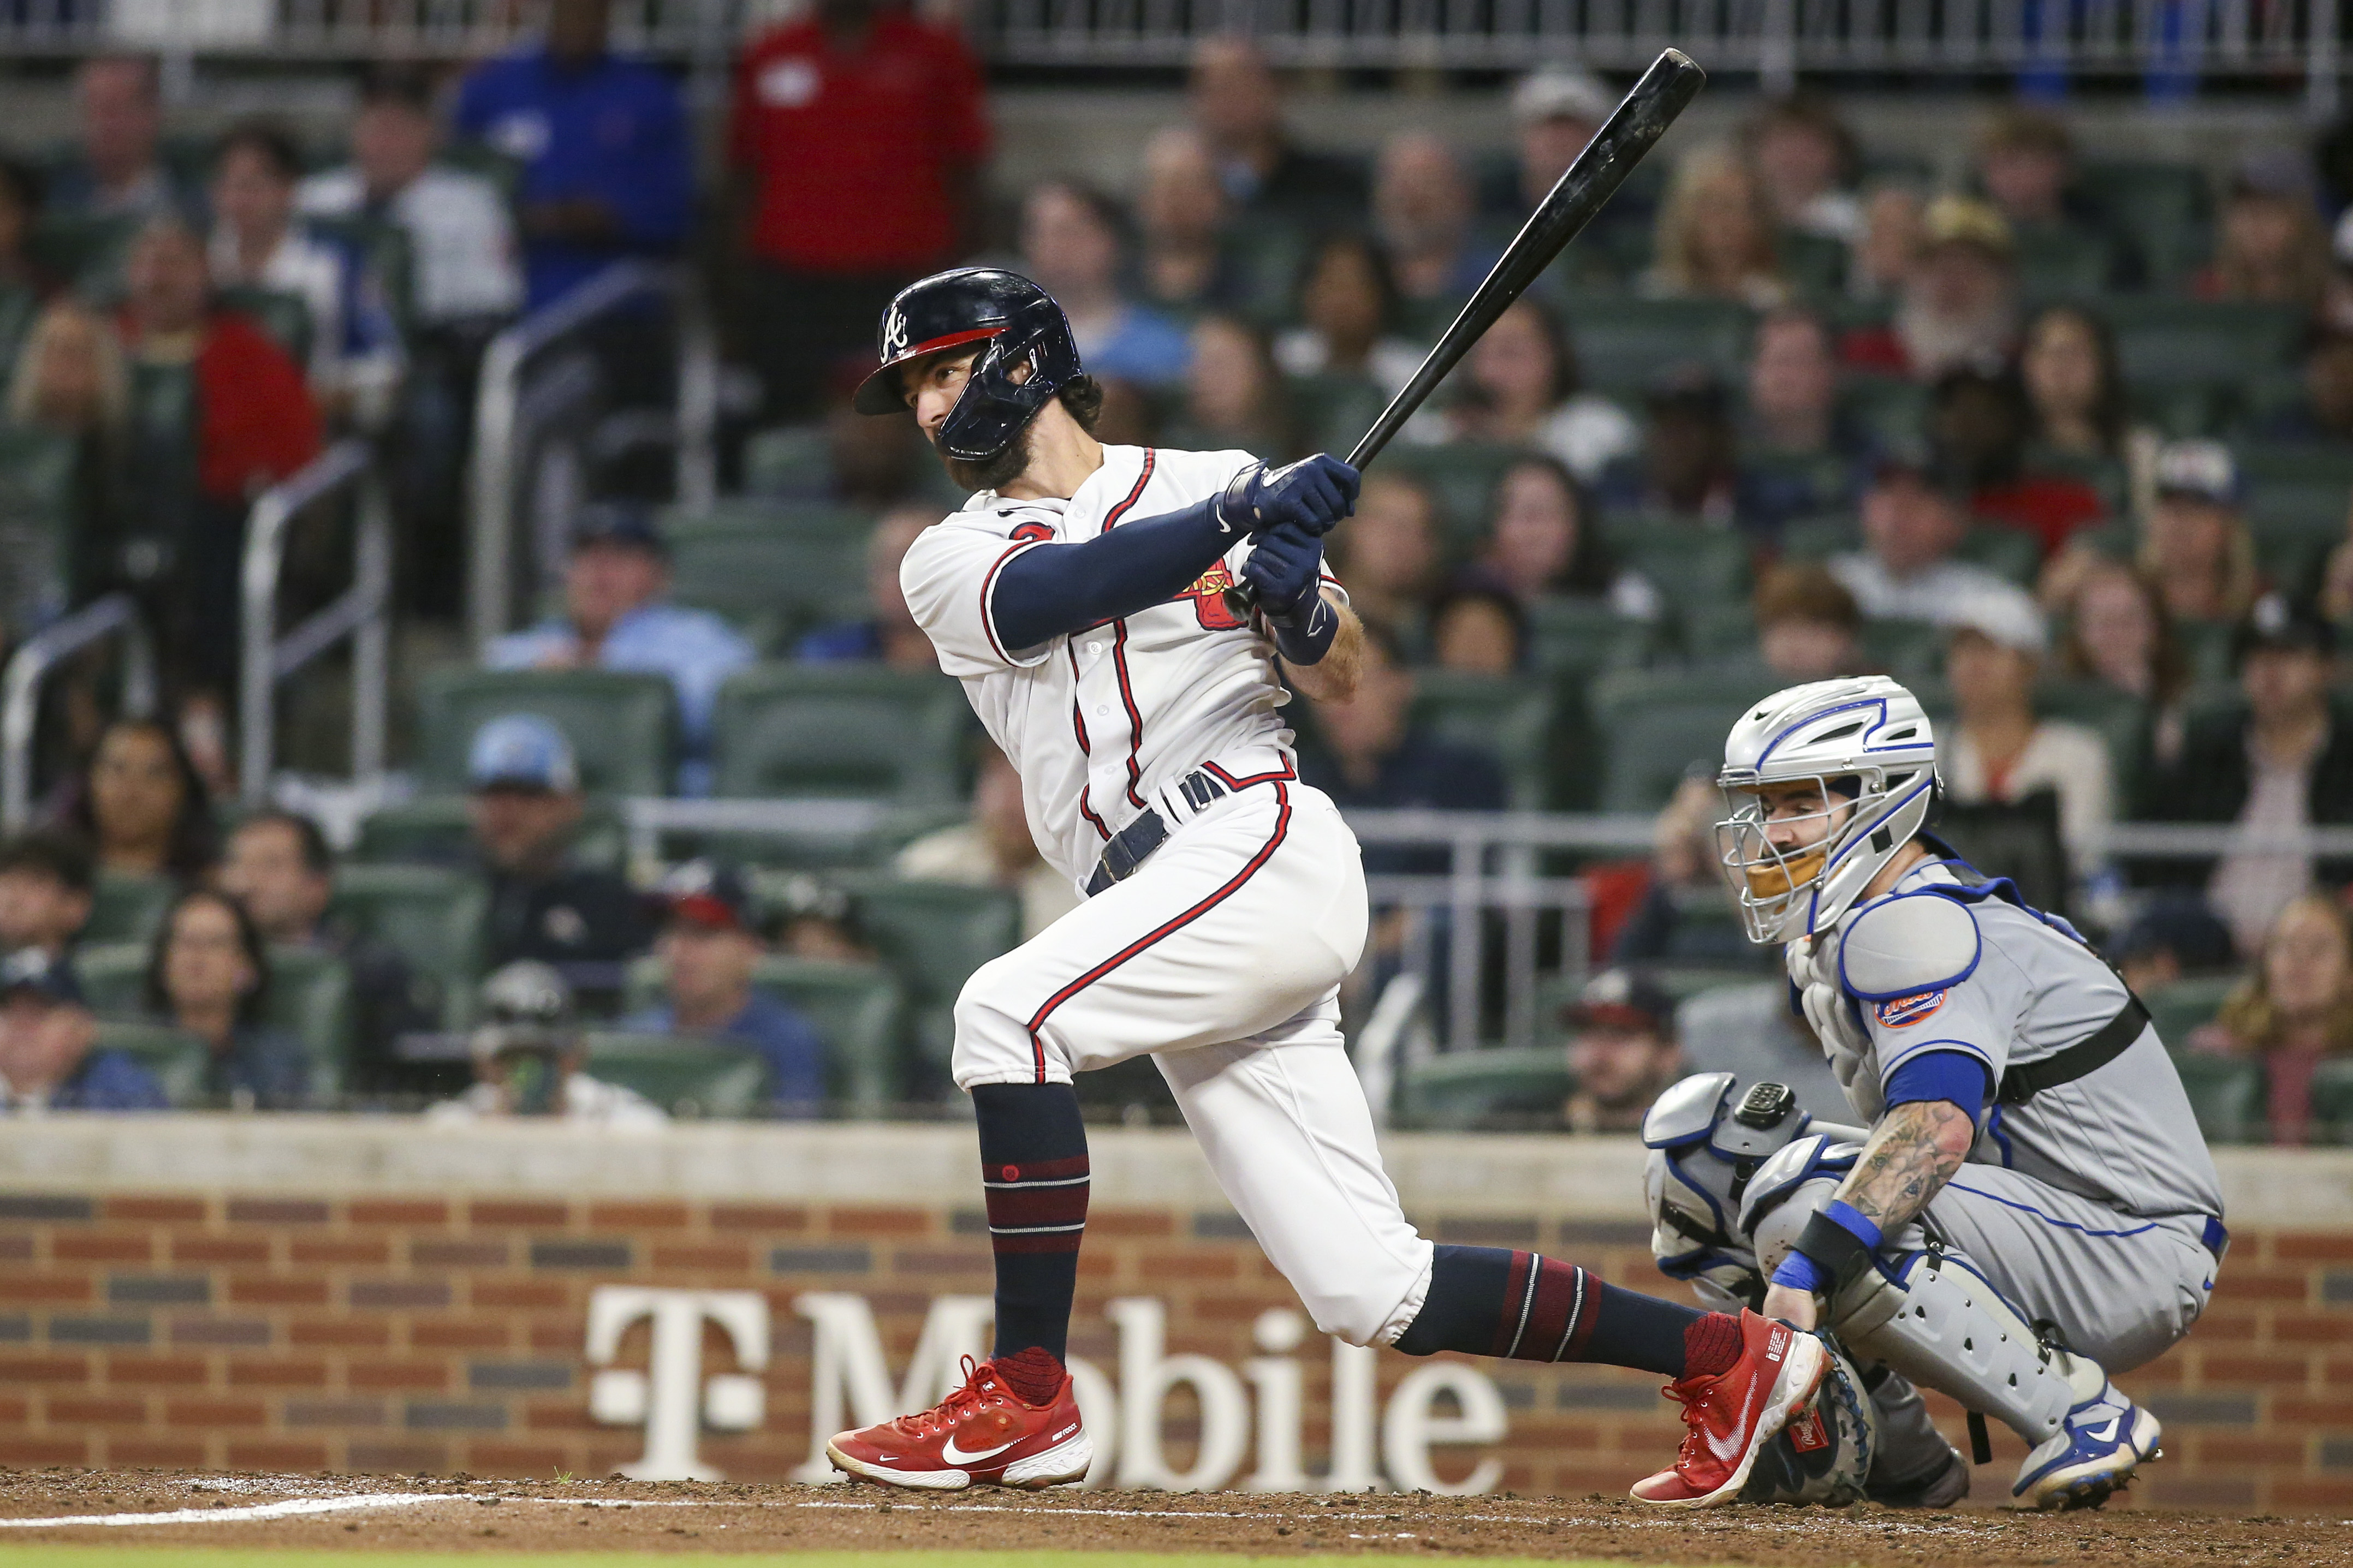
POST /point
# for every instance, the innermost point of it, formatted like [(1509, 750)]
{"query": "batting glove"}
[(1315, 493), (1286, 567)]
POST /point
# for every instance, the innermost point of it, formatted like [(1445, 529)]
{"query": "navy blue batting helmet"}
[(1015, 322)]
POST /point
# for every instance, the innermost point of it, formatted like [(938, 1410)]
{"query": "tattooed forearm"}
[(1914, 1150)]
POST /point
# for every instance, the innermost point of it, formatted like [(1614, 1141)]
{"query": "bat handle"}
[(1241, 599)]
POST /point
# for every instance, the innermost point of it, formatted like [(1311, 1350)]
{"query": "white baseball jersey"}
[(1096, 722)]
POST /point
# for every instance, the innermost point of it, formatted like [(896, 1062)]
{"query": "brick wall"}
[(401, 1333)]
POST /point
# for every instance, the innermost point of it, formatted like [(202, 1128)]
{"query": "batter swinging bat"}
[(1667, 88)]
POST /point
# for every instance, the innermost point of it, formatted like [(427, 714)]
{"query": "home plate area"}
[(105, 1517)]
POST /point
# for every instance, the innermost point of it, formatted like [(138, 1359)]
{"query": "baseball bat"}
[(1632, 129)]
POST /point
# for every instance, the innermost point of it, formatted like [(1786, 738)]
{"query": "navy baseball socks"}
[(1524, 1306), (1033, 1159)]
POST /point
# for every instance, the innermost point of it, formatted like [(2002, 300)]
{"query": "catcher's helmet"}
[(1017, 322)]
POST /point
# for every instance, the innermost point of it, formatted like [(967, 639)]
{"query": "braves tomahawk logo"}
[(1208, 596), (894, 331)]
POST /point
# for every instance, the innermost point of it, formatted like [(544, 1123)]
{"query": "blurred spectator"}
[(1234, 396), (1422, 208), (1348, 310), (1715, 236), (23, 282), (2293, 1011), (1800, 456), (2075, 400), (2119, 636), (2279, 764), (1544, 539), (1997, 749), (1805, 161), (2324, 412), (617, 616), (48, 1055), (2026, 166), (256, 244), (69, 378), (993, 848), (1684, 910), (525, 805), (1479, 631), (1369, 753), (465, 279), (818, 921), (279, 867), (1893, 233), (1556, 111), (1070, 243), (2269, 244), (1621, 1051), (1807, 628), (219, 414), (2174, 936), (1753, 1033), (859, 134), (874, 463), (1978, 426), (1913, 520), (710, 948), (142, 806), (603, 145), (117, 172), (2197, 547), (1237, 109), (48, 887), (1690, 467), (1181, 212), (1520, 388), (889, 634), (1958, 307), (1388, 556), (208, 974), (528, 1052)]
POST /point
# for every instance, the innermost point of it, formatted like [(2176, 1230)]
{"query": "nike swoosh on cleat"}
[(955, 1455), (1726, 1451), (2106, 1432)]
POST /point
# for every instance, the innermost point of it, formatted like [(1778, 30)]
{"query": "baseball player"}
[(2028, 1204), (1079, 596)]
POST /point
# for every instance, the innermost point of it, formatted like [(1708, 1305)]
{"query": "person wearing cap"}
[(710, 947), (525, 805), (1913, 519), (617, 616), (1959, 302), (1688, 468), (2026, 166), (2269, 244), (2197, 547), (50, 1056), (1556, 111), (2274, 766), (527, 1053), (1998, 750), (1621, 1051), (280, 867)]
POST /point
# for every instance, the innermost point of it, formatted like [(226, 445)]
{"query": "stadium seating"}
[(2227, 1093), (2186, 360), (1623, 343), (858, 1010), (2164, 207), (622, 725), (1656, 726), (431, 916), (1686, 563), (1569, 635), (859, 732), (1510, 719), (933, 935), (310, 998), (685, 1077), (127, 908), (435, 830), (177, 1058), (774, 582), (1463, 476), (2181, 1008), (1462, 1089), (2332, 1102)]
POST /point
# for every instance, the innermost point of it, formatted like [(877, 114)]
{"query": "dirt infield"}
[(455, 1514)]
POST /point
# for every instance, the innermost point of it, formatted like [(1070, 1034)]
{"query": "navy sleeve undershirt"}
[(1051, 590), (1955, 1075)]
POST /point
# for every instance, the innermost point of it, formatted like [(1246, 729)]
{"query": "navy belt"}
[(1133, 845), (2215, 1239)]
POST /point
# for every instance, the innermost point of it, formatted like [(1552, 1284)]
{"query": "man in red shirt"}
[(858, 137)]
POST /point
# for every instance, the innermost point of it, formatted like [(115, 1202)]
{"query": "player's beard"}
[(991, 473)]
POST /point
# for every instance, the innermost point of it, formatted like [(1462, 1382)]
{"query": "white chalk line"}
[(250, 1512)]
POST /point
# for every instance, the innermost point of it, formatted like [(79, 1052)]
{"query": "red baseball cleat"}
[(1730, 1415), (983, 1433)]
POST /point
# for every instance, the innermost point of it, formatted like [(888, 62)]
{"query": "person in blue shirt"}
[(614, 618), (889, 636), (604, 144), (49, 1057), (708, 950)]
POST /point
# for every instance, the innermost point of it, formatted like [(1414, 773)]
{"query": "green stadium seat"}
[(777, 583), (1329, 412), (2013, 552), (857, 1009), (2206, 648), (2182, 1007), (310, 998), (1820, 538), (84, 248), (1687, 563), (1909, 650), (829, 522), (1716, 633), (1891, 410), (2060, 262), (1622, 344), (1814, 263), (790, 459), (37, 498), (128, 909), (2296, 462), (1510, 718), (2164, 207), (1654, 728), (2332, 1102), (2119, 718), (838, 730), (622, 724), (1462, 1089), (1462, 475), (175, 1058), (685, 1077), (113, 976), (933, 935), (435, 830), (2297, 521), (2207, 348), (2227, 1094), (431, 915), (1569, 635)]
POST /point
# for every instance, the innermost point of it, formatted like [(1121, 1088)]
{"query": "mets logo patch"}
[(1906, 1011)]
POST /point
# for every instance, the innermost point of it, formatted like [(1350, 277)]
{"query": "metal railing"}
[(115, 615), (361, 613), (530, 388), (353, 30)]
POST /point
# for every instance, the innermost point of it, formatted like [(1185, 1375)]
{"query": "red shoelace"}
[(980, 1385)]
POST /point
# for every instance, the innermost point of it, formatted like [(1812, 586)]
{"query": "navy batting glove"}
[(1315, 493), (1287, 566)]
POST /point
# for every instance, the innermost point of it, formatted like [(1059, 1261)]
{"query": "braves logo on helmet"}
[(1903, 1012), (894, 333)]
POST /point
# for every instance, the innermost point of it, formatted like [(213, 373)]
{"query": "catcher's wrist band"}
[(1836, 1248)]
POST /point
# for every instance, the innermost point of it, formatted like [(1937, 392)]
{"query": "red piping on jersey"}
[(1119, 644), (1079, 726), (988, 581), (1275, 841), (1283, 774)]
